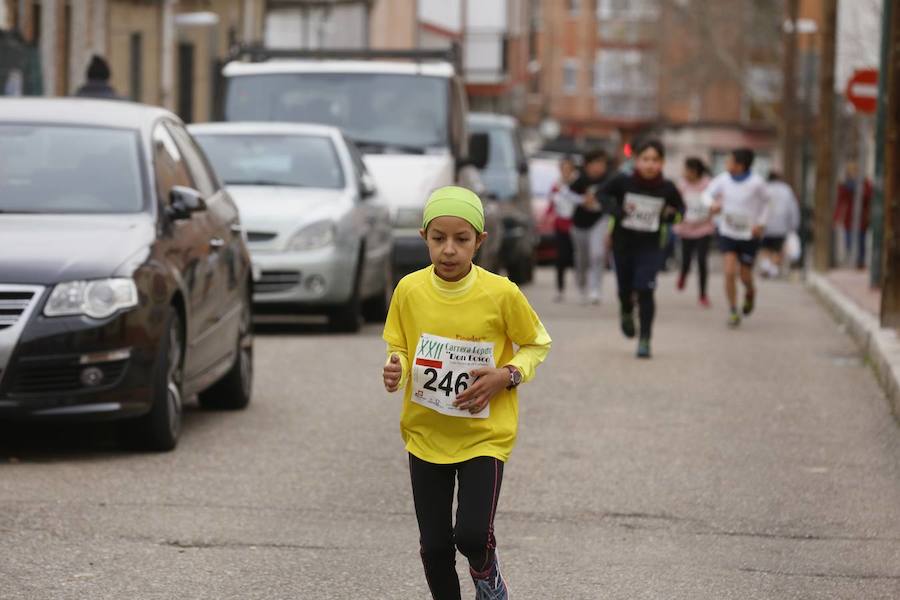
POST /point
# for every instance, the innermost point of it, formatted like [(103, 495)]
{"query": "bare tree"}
[(723, 39)]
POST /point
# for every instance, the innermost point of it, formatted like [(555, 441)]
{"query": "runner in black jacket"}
[(642, 204)]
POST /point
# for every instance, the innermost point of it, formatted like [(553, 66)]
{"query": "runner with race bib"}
[(697, 228), (460, 341), (741, 200), (643, 205)]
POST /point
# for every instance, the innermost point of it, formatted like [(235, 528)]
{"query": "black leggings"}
[(564, 258), (701, 245), (636, 273), (646, 309), (479, 489)]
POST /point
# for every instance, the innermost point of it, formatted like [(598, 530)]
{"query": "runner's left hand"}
[(758, 231), (489, 383)]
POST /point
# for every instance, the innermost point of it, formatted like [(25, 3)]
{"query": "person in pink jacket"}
[(697, 228)]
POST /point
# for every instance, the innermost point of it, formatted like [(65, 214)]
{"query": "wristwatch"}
[(515, 377)]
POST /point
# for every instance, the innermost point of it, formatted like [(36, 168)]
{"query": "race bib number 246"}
[(441, 371)]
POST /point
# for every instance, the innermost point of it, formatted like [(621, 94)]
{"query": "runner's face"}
[(733, 167), (452, 244), (649, 163)]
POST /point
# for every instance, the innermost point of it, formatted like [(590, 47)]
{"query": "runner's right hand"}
[(392, 373)]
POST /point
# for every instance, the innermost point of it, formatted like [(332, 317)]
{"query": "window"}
[(379, 111), (168, 163), (196, 162), (69, 170), (570, 76), (274, 160), (574, 7), (625, 83), (135, 71)]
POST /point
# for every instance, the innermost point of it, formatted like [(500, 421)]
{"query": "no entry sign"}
[(862, 90)]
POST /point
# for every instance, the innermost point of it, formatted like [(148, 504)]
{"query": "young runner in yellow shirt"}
[(460, 341)]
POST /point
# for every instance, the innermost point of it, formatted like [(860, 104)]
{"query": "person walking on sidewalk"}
[(460, 340), (784, 219), (844, 208), (589, 226), (697, 228), (562, 207), (97, 85), (640, 204), (740, 198)]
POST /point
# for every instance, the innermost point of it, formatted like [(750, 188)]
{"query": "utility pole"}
[(875, 273), (789, 147), (890, 71), (824, 136)]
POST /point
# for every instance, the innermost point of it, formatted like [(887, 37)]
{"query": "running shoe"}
[(627, 322), (704, 302), (734, 319), (748, 304), (492, 586), (681, 282), (643, 350)]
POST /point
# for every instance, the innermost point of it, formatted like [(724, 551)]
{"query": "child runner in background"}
[(784, 218), (589, 226), (697, 228), (641, 203), (562, 206), (460, 340), (743, 202)]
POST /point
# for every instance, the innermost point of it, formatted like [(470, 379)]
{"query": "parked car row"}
[(136, 249)]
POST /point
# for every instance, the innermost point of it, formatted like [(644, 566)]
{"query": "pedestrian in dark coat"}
[(97, 85)]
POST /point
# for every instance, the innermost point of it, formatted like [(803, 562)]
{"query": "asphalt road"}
[(753, 464)]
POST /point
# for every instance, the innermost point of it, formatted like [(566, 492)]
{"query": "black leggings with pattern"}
[(479, 489)]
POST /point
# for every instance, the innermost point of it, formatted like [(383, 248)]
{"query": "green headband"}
[(452, 201)]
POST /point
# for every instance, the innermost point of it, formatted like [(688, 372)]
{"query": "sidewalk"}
[(848, 296)]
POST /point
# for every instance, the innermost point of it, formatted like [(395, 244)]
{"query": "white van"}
[(405, 110)]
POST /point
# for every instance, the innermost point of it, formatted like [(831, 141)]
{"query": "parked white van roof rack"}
[(251, 53)]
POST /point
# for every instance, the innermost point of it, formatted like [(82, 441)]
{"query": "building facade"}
[(163, 52)]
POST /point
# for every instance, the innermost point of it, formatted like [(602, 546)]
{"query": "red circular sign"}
[(862, 90)]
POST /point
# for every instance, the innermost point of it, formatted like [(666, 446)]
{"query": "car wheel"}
[(346, 318), (234, 390), (159, 429), (375, 309)]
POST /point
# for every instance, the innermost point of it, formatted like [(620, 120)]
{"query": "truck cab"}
[(405, 110)]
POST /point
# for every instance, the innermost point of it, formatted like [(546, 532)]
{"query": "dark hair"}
[(774, 176), (692, 163), (743, 157), (98, 70), (596, 154), (645, 145)]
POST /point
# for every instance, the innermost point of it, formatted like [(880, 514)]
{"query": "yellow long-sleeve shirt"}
[(482, 307)]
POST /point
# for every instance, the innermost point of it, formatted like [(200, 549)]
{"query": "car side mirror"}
[(183, 202), (367, 187), (479, 150)]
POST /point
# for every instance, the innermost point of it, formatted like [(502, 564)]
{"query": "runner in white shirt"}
[(740, 199)]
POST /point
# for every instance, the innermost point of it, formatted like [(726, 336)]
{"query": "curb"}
[(881, 345)]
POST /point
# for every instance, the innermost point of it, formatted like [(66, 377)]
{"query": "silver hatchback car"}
[(319, 234)]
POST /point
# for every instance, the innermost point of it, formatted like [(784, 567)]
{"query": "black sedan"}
[(125, 281)]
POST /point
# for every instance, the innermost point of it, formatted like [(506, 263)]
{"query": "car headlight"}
[(408, 218), (312, 237), (98, 299)]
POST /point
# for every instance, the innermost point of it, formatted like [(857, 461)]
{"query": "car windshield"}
[(267, 159), (60, 169), (380, 112), (500, 175)]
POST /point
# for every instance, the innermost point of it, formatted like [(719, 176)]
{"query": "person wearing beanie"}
[(97, 85), (460, 341), (644, 205)]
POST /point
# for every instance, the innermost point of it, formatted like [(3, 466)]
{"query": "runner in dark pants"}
[(641, 203), (697, 228)]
